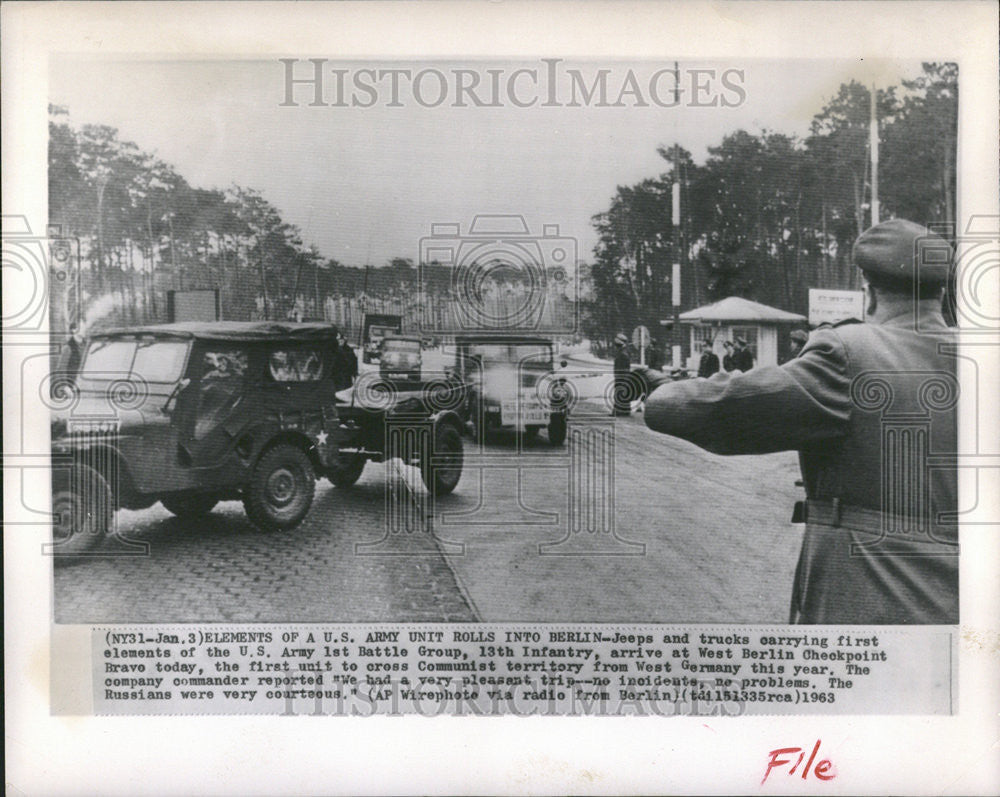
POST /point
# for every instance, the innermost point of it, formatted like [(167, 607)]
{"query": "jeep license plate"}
[(531, 412)]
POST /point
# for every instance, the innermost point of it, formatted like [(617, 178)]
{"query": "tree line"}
[(767, 215), (140, 229)]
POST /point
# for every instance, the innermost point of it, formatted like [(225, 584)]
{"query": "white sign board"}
[(195, 305), (829, 306)]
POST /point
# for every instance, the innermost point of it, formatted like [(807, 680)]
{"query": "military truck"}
[(400, 358), (376, 327), (511, 386)]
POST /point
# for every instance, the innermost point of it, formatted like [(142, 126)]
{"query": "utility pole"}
[(316, 306), (364, 306), (675, 220), (873, 139)]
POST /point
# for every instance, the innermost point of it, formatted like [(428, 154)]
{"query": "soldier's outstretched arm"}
[(770, 408)]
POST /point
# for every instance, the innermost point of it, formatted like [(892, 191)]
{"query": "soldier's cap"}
[(620, 339), (741, 341), (800, 335), (903, 252)]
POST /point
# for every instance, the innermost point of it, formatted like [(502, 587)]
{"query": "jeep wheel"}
[(443, 468), (557, 429), (82, 509), (347, 474), (281, 489), (189, 506)]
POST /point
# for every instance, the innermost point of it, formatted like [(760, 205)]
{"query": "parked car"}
[(401, 358), (511, 386), (191, 414)]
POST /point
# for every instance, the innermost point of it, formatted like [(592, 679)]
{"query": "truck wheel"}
[(443, 468), (82, 509), (348, 474), (557, 430), (189, 506), (281, 489)]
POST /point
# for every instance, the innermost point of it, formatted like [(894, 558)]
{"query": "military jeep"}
[(191, 414), (512, 385)]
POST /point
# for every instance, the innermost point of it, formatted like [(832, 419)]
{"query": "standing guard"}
[(871, 408)]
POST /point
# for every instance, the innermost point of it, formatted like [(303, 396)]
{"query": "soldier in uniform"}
[(345, 364), (727, 357), (870, 407), (708, 364), (743, 358)]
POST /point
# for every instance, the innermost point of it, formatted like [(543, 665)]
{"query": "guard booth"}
[(766, 329)]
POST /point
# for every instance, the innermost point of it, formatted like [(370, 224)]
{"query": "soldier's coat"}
[(872, 410)]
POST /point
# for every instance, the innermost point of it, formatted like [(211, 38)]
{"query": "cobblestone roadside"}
[(222, 569)]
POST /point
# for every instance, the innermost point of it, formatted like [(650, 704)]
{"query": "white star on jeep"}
[(321, 438)]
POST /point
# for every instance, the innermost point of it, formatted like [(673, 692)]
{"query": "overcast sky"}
[(364, 184)]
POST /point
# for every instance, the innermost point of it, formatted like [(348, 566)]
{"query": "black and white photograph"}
[(508, 380), (430, 341)]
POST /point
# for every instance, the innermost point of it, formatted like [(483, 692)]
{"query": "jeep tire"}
[(189, 506), (348, 473), (441, 467), (281, 488), (82, 508)]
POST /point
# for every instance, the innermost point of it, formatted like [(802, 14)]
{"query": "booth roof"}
[(735, 308)]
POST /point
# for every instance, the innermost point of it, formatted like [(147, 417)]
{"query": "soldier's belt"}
[(837, 514)]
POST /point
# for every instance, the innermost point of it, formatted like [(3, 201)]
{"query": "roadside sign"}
[(830, 306), (195, 305)]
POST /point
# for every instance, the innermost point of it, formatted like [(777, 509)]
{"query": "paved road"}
[(694, 537), (668, 533)]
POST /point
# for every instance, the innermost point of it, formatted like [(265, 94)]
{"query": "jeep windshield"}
[(146, 359), (534, 356), (402, 345)]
